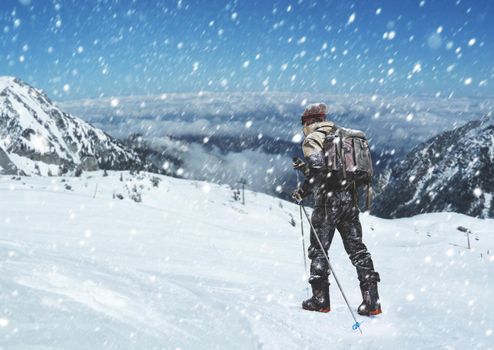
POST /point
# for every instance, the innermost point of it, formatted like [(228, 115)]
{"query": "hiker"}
[(335, 207)]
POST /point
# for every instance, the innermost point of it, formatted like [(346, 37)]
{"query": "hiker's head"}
[(314, 113)]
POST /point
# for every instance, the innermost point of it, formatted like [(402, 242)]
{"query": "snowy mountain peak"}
[(5, 81), (37, 137)]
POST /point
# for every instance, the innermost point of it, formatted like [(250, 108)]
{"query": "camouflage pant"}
[(339, 212)]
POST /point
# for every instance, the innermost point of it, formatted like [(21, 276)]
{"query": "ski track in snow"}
[(190, 268)]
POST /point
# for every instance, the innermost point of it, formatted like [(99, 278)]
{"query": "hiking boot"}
[(371, 304), (320, 298)]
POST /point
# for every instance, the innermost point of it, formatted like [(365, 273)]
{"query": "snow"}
[(29, 166), (5, 81), (190, 268)]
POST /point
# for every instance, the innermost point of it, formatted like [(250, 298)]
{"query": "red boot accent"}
[(324, 310), (375, 312)]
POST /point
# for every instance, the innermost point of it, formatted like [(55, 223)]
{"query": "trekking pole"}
[(357, 324), (303, 246), (303, 239)]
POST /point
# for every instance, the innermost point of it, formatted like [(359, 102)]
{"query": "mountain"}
[(37, 137), (189, 267), (453, 171)]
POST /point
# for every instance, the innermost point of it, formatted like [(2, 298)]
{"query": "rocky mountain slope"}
[(37, 137), (453, 171)]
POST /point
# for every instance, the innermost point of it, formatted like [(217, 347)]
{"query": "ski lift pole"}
[(357, 324), (243, 182), (467, 232)]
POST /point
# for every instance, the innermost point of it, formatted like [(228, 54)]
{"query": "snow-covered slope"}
[(453, 171), (36, 136), (189, 268)]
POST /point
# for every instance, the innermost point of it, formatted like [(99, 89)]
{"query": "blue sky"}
[(87, 49)]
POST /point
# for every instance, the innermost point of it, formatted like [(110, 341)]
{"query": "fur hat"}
[(314, 110)]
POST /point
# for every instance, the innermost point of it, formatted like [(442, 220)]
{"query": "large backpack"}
[(348, 157)]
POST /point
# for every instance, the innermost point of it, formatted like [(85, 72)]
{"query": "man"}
[(335, 208)]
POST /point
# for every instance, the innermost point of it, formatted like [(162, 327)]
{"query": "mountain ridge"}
[(452, 171), (38, 137)]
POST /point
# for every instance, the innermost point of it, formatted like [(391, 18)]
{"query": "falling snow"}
[(213, 94)]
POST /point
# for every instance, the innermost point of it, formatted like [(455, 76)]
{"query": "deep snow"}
[(190, 268)]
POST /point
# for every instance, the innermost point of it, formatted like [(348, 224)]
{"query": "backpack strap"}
[(339, 152)]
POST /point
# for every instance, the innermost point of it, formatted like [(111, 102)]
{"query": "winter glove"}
[(298, 164), (299, 194)]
